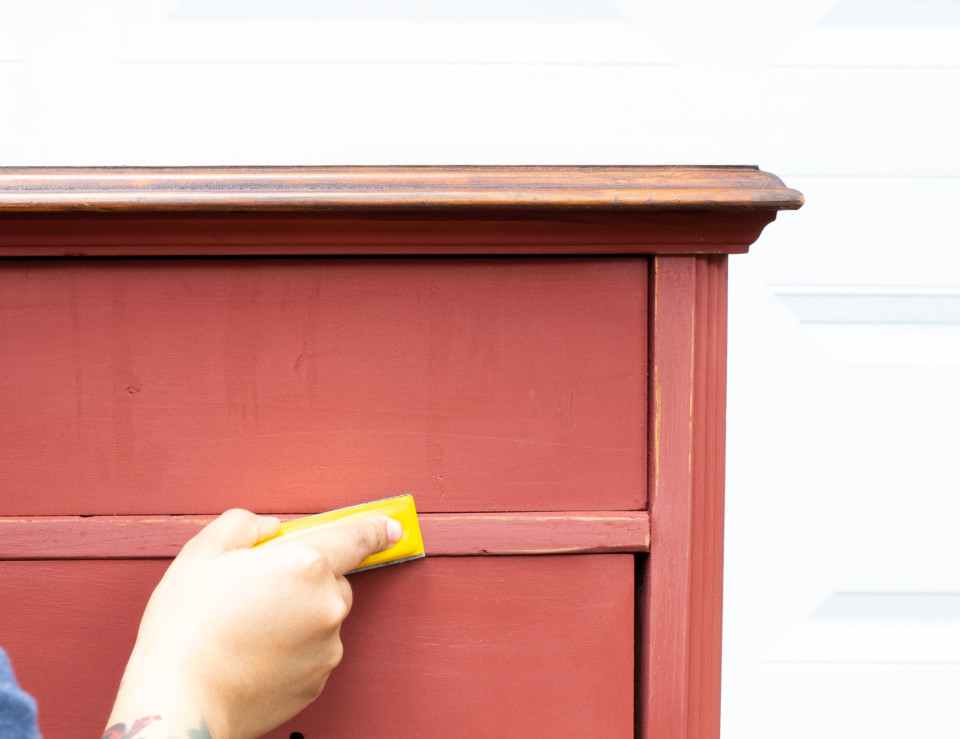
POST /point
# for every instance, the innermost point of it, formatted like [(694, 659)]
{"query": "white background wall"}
[(842, 611)]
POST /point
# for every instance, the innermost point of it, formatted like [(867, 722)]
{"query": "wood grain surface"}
[(386, 210), (139, 189), (468, 647), (193, 386)]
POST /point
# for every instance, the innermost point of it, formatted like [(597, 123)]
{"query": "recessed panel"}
[(442, 647), (193, 386)]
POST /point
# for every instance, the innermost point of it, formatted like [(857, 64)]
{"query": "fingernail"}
[(394, 531)]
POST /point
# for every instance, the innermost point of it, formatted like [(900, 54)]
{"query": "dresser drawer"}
[(496, 646), (297, 385)]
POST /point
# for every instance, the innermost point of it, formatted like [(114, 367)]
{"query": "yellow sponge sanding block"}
[(401, 508)]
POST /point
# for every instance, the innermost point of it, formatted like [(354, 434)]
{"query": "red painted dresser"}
[(536, 353)]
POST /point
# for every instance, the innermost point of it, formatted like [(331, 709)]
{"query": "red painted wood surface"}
[(451, 647), (171, 386), (679, 691), (446, 534)]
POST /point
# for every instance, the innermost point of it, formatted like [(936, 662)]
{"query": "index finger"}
[(348, 542)]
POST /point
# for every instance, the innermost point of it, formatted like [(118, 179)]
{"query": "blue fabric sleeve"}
[(18, 711)]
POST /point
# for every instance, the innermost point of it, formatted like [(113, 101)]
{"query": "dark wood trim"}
[(179, 189), (442, 232), (274, 211)]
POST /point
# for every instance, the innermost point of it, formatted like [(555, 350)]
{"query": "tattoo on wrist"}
[(120, 731), (202, 733)]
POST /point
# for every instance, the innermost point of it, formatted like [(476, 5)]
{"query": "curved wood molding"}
[(266, 189)]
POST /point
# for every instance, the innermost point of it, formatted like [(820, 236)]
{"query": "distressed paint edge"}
[(681, 590), (445, 534), (663, 689)]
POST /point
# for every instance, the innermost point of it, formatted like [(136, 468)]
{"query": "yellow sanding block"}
[(401, 508)]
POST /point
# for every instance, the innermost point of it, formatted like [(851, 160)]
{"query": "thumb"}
[(235, 529), (349, 541)]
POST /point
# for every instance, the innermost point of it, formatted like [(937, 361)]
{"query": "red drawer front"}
[(442, 647), (296, 385)]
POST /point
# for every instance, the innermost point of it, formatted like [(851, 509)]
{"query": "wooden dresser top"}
[(248, 189)]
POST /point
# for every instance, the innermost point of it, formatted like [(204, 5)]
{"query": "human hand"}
[(235, 640)]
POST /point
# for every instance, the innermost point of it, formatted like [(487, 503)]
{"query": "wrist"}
[(155, 701)]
